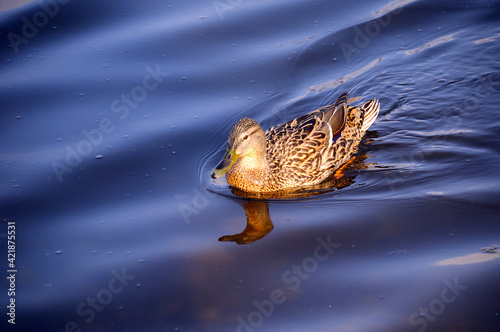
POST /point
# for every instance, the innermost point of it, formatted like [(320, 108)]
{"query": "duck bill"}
[(225, 164)]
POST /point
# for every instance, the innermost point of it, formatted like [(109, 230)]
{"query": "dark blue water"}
[(114, 113)]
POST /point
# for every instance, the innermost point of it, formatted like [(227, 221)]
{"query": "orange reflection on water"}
[(468, 259)]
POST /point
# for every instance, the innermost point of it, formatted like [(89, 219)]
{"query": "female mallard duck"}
[(298, 153)]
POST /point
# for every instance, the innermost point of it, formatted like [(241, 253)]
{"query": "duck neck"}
[(253, 170), (256, 164)]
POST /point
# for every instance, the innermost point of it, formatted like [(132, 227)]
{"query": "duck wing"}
[(297, 147)]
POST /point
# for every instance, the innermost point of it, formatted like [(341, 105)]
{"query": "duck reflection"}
[(256, 205), (259, 223)]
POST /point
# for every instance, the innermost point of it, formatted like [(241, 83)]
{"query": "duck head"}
[(247, 143)]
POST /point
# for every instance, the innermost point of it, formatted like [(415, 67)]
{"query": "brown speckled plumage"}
[(298, 153)]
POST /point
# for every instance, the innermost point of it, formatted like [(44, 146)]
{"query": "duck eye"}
[(245, 137)]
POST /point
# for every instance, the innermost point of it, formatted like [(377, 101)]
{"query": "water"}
[(114, 113)]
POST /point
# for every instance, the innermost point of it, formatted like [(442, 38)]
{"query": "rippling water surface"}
[(115, 112)]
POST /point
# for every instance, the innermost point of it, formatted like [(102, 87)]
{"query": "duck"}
[(296, 154)]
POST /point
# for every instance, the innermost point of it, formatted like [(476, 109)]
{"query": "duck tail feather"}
[(370, 111)]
